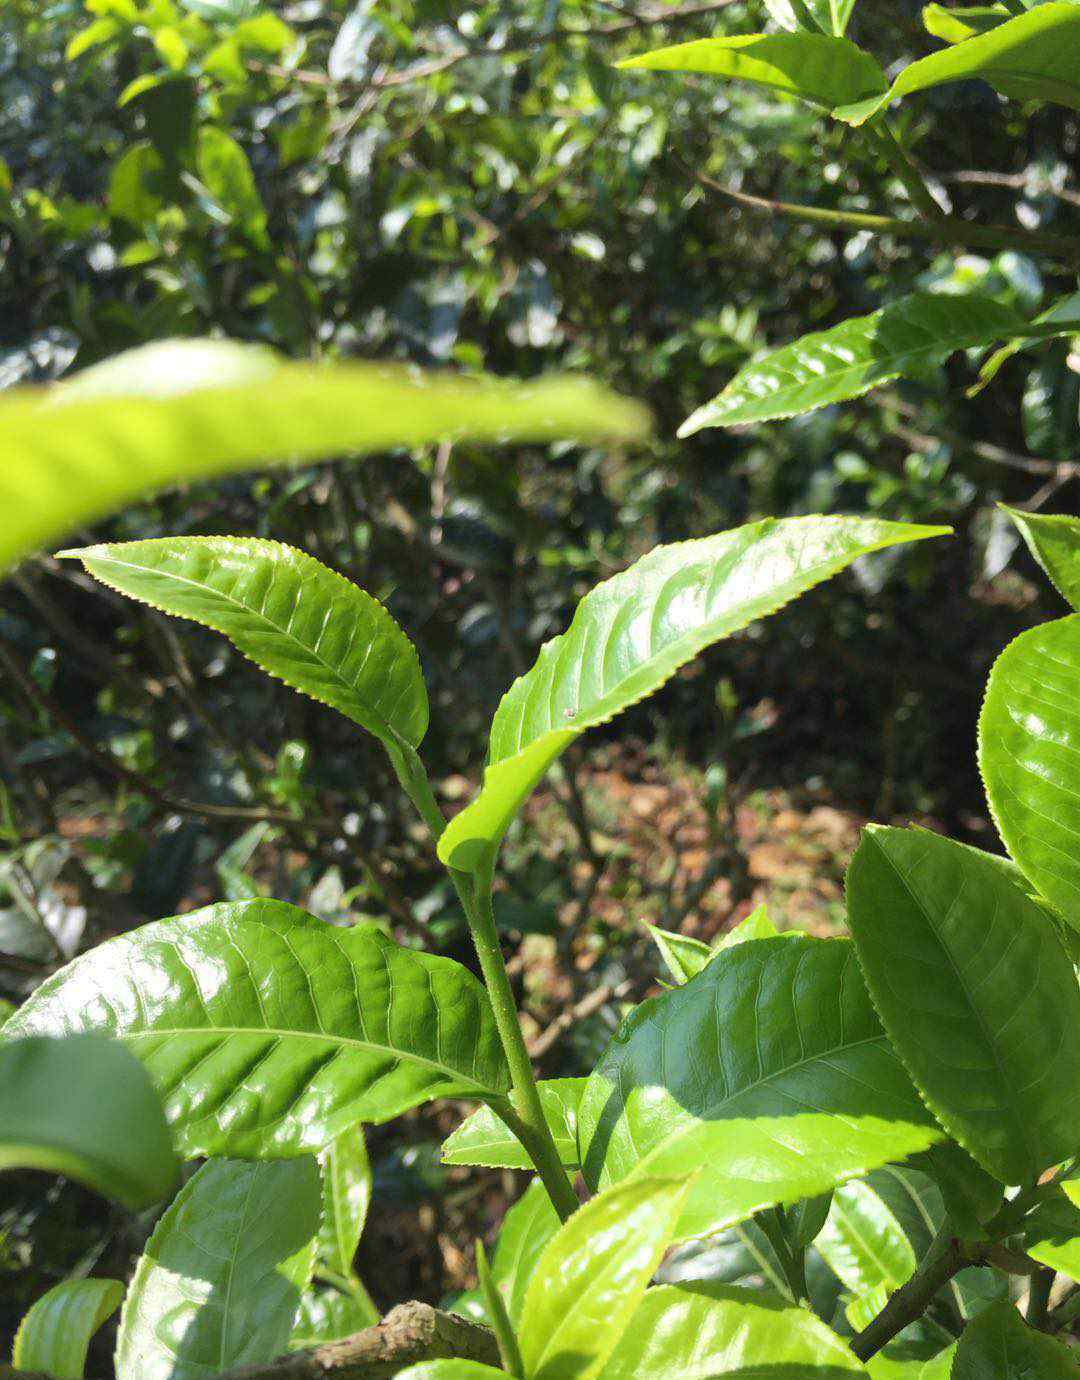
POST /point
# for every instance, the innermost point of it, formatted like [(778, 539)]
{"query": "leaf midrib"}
[(385, 729), (346, 1041)]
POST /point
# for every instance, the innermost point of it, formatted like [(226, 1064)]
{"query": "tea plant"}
[(897, 1112)]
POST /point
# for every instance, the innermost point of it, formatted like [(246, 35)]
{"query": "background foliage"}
[(479, 187)]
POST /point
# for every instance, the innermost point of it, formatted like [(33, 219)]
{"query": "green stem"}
[(895, 155), (526, 1119), (946, 230), (528, 1122)]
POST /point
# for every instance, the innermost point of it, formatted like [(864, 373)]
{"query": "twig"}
[(411, 1333), (946, 230), (1038, 1302), (587, 1006)]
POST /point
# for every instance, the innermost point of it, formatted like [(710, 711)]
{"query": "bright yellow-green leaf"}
[(54, 1336)]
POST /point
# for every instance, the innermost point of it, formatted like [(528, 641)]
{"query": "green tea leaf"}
[(195, 409), (999, 1345), (1054, 541), (1027, 732), (1052, 1235), (346, 1185), (976, 992), (1034, 56), (483, 1138), (823, 70), (226, 173), (592, 1275), (850, 359), (451, 1370), (633, 632), (269, 1033), (757, 925), (811, 16), (768, 1074), (683, 955), (54, 1336), (709, 1331), (85, 1108), (863, 1242), (221, 1278), (526, 1229), (327, 1315), (954, 24), (293, 617)]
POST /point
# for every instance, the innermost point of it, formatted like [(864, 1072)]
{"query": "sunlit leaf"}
[(484, 1139), (83, 1107), (633, 632), (863, 1242), (269, 1033), (1052, 1234), (823, 70), (195, 409), (976, 992), (526, 1229), (1028, 735), (768, 1075), (54, 1336), (952, 24), (219, 1284), (346, 1184), (1054, 541), (591, 1276)]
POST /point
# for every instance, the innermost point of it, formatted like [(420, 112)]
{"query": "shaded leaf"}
[(976, 992), (83, 1107), (708, 1331), (327, 1315), (219, 1284), (296, 619), (1052, 1234), (768, 1073), (631, 633), (1028, 733), (54, 1336), (196, 409), (269, 1032), (484, 1139), (999, 1345), (824, 70), (591, 1276), (683, 955), (906, 337)]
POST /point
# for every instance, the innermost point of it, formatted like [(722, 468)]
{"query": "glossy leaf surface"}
[(269, 1032), (484, 1139), (292, 616), (85, 1108), (1029, 733), (194, 409), (769, 1074), (861, 353), (863, 1242), (54, 1336), (219, 1284), (976, 991), (1034, 56), (757, 925), (591, 1277), (632, 633), (327, 1315), (705, 1332), (1054, 541), (526, 1229), (346, 1185), (953, 24), (824, 70), (999, 1345)]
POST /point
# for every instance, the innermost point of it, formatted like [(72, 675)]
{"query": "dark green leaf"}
[(768, 1074), (220, 1282), (85, 1108), (683, 955), (976, 992), (1052, 1234), (633, 632), (999, 1345), (270, 1033)]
